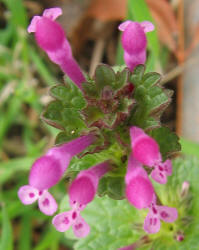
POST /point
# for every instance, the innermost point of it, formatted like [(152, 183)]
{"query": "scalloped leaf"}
[(121, 78), (64, 137), (64, 112), (151, 99), (72, 120), (138, 72), (150, 79), (157, 98), (69, 94), (52, 114), (167, 140), (92, 114), (104, 76)]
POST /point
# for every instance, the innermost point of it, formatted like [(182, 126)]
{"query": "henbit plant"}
[(113, 119)]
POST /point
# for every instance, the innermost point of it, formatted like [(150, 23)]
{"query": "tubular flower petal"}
[(157, 213), (146, 150), (46, 27), (132, 60), (45, 173), (139, 190), (134, 41), (133, 38), (48, 170), (81, 191), (50, 36)]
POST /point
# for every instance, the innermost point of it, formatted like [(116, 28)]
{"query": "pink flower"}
[(81, 192), (157, 213), (47, 204), (50, 36), (48, 170), (65, 220), (146, 151), (139, 190), (134, 41)]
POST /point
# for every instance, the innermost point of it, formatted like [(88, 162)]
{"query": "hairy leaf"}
[(167, 140)]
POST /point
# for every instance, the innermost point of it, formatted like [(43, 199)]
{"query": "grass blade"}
[(6, 238)]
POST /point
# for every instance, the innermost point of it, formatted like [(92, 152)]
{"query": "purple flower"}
[(146, 151), (139, 190), (48, 170), (157, 213), (134, 41), (50, 36), (81, 192)]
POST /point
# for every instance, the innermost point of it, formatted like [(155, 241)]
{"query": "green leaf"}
[(87, 161), (167, 140), (150, 79), (72, 120), (64, 137), (121, 78), (140, 93), (112, 186), (158, 99), (64, 112), (6, 237), (70, 95), (113, 153), (138, 72), (151, 123), (104, 76), (90, 89), (52, 114), (92, 114), (151, 99)]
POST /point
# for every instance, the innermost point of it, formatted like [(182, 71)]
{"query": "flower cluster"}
[(139, 189), (48, 170)]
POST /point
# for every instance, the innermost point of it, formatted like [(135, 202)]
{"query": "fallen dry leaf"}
[(107, 10)]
